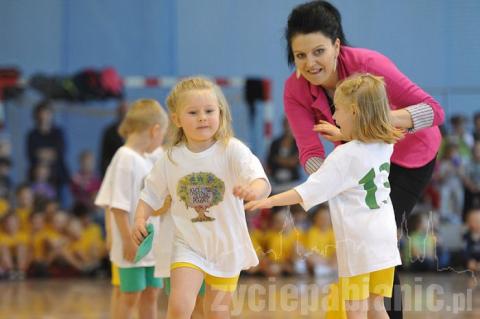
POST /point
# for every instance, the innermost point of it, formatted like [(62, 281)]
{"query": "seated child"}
[(320, 243), (283, 245), (472, 240), (13, 247)]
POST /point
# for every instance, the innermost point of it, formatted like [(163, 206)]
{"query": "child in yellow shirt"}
[(24, 205), (92, 232), (283, 244), (13, 247), (38, 245), (56, 239), (78, 250), (320, 243)]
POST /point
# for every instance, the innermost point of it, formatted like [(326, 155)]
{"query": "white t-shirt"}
[(363, 221), (120, 189), (163, 244), (210, 227), (155, 155)]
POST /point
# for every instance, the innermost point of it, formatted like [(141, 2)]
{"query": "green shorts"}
[(166, 287), (138, 278)]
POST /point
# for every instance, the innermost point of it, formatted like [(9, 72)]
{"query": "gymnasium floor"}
[(442, 295)]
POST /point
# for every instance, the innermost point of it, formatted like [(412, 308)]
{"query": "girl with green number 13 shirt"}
[(354, 180)]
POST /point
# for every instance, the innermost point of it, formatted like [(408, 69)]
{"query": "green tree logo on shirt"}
[(201, 191), (368, 182)]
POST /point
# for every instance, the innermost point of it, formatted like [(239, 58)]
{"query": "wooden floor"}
[(443, 295)]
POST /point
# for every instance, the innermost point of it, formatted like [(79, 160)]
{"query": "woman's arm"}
[(406, 96), (402, 119), (302, 120)]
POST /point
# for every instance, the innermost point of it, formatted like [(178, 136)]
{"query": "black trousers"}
[(406, 187)]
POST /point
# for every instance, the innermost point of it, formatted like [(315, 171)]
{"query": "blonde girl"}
[(143, 129), (208, 173), (354, 180)]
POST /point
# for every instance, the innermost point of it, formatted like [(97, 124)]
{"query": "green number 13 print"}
[(369, 185)]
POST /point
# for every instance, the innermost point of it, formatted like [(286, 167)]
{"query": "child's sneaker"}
[(300, 267), (322, 271)]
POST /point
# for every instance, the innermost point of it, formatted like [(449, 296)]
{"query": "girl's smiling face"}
[(199, 118)]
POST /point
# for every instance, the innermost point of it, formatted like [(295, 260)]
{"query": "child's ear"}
[(175, 120), (154, 129), (354, 112)]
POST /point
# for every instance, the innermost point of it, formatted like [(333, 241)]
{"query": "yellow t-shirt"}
[(282, 246), (13, 240), (38, 244), (258, 241), (90, 242), (24, 217), (93, 234), (53, 237), (79, 246), (4, 207), (320, 242)]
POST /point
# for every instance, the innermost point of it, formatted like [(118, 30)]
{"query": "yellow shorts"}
[(217, 283), (359, 287), (115, 276)]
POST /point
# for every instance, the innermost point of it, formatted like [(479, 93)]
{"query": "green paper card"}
[(146, 244)]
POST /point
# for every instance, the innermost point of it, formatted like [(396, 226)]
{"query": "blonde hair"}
[(141, 115), (366, 96), (176, 134)]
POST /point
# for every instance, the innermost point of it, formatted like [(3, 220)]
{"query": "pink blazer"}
[(306, 104)]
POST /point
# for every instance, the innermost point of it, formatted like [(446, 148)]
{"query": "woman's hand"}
[(329, 131), (259, 204)]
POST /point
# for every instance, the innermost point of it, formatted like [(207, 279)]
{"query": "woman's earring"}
[(297, 73), (335, 64)]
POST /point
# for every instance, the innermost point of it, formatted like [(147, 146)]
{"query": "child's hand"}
[(244, 192), (329, 131), (129, 250), (472, 265), (139, 231), (259, 204)]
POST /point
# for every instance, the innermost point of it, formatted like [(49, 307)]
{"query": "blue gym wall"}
[(435, 42)]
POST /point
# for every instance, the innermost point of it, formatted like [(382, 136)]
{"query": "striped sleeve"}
[(313, 164), (422, 116)]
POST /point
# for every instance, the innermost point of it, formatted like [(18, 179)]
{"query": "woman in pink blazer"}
[(317, 48)]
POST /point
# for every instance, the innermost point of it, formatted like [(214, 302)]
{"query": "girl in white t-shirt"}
[(354, 180), (143, 129), (208, 174)]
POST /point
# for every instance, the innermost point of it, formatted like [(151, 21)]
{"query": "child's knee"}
[(116, 291), (180, 305), (357, 306), (150, 294), (130, 299), (216, 315), (376, 303)]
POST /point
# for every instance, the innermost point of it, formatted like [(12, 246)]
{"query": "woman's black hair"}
[(310, 17)]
